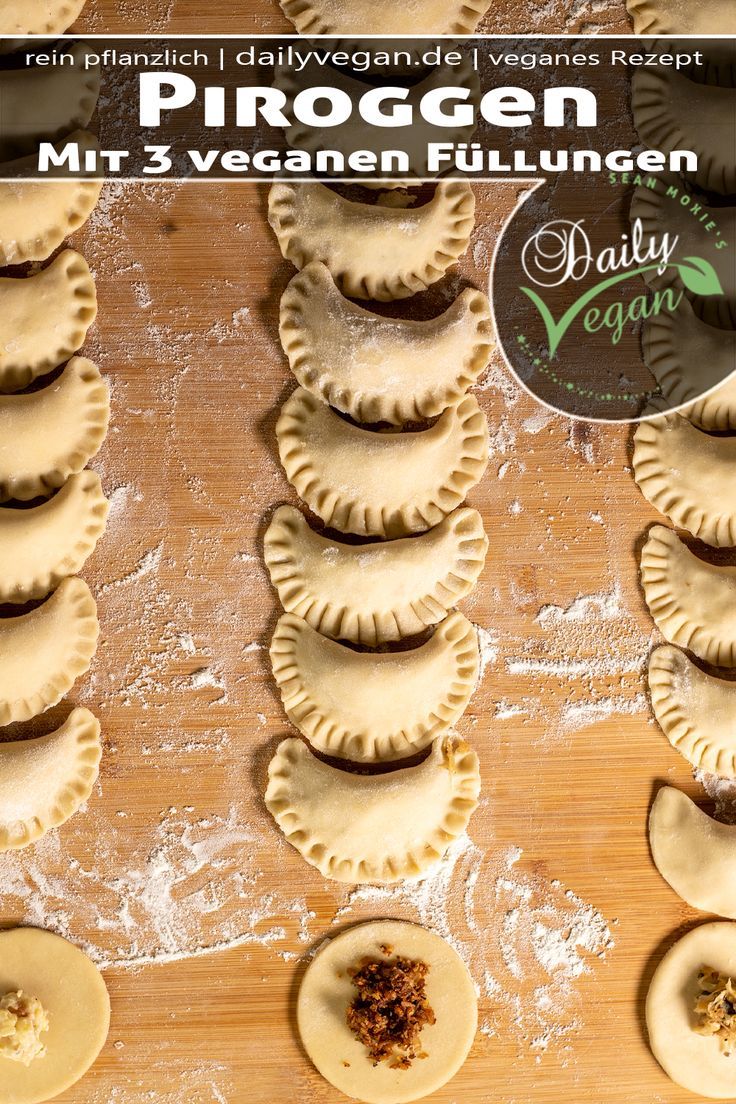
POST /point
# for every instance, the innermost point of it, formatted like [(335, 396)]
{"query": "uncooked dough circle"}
[(71, 989), (327, 991), (694, 1061)]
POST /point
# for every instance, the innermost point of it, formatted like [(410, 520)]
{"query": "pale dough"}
[(71, 990), (374, 593), (385, 17), (44, 781), (38, 17), (50, 434), (357, 135), (373, 828), (691, 601), (689, 476), (696, 1062), (696, 711), (374, 706), (380, 484), (41, 545), (682, 17), (326, 993), (694, 853), (372, 251), (44, 651), (37, 215), (45, 103), (44, 319), (379, 369)]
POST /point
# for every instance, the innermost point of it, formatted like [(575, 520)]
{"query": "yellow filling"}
[(22, 1021), (715, 1008)]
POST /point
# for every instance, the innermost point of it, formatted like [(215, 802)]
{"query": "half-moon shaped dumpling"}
[(374, 593), (682, 17), (693, 362), (373, 828), (41, 545), (689, 476), (48, 435), (381, 369), (384, 17), (44, 781), (37, 215), (38, 17), (692, 602), (45, 103), (672, 112), (659, 214), (44, 651), (372, 251), (374, 706), (380, 484), (356, 134), (44, 319), (696, 711), (693, 852)]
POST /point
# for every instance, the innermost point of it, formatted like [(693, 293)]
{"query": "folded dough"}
[(38, 17), (694, 853), (44, 318), (37, 215), (41, 545), (48, 435), (372, 251), (377, 828), (44, 781), (693, 362), (380, 369), (380, 484), (682, 17), (374, 706), (660, 214), (374, 593), (696, 711), (692, 602), (385, 17), (41, 103), (695, 1061), (689, 476), (357, 135), (672, 112), (43, 652)]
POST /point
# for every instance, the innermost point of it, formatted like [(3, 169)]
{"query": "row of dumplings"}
[(54, 413), (461, 17), (684, 463), (345, 446)]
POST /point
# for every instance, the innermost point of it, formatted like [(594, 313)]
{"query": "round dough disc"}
[(71, 989), (696, 1062), (327, 991)]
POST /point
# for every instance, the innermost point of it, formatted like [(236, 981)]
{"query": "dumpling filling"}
[(715, 1008), (23, 1019), (391, 1009)]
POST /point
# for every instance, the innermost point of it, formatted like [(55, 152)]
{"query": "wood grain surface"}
[(191, 463)]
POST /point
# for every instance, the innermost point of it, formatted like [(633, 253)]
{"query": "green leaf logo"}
[(699, 276)]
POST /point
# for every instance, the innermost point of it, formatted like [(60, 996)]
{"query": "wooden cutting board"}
[(175, 853)]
